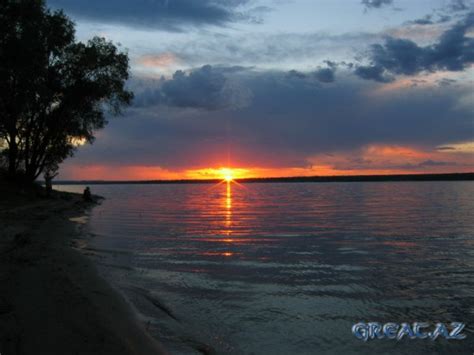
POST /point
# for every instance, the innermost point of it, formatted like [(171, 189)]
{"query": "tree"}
[(54, 91)]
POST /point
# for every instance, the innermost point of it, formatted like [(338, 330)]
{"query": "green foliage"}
[(54, 91)]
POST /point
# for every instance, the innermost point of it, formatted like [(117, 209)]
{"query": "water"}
[(289, 268)]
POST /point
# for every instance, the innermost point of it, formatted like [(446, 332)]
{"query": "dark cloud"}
[(430, 162), (287, 121), (430, 20), (373, 72), (454, 51), (171, 15), (371, 4), (208, 88), (446, 82), (211, 88), (426, 165), (325, 75), (296, 74), (322, 74), (364, 164), (458, 5), (427, 20)]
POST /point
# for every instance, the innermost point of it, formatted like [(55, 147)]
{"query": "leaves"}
[(53, 90)]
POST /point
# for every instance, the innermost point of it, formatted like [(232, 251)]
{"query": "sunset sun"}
[(227, 174)]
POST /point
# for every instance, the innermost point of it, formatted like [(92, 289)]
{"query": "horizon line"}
[(315, 178)]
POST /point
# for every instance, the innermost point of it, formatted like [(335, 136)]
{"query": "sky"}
[(284, 87)]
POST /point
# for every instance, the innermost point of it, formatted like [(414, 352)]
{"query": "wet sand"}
[(52, 300)]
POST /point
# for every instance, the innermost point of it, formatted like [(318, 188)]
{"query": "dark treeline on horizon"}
[(295, 179)]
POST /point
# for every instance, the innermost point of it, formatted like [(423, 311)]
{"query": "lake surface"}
[(288, 268)]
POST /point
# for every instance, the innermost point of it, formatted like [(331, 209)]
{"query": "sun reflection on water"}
[(228, 209)]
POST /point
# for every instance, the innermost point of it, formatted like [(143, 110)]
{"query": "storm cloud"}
[(454, 51), (287, 122), (213, 88), (169, 15), (207, 88)]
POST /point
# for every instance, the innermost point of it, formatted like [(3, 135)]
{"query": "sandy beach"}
[(52, 300)]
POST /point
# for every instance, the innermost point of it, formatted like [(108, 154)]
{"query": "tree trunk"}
[(12, 157)]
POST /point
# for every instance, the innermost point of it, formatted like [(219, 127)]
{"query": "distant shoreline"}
[(294, 179)]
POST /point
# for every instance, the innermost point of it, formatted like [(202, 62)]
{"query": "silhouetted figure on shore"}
[(49, 175), (87, 196)]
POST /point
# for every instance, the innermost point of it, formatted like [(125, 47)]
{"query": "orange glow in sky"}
[(223, 173), (373, 159)]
